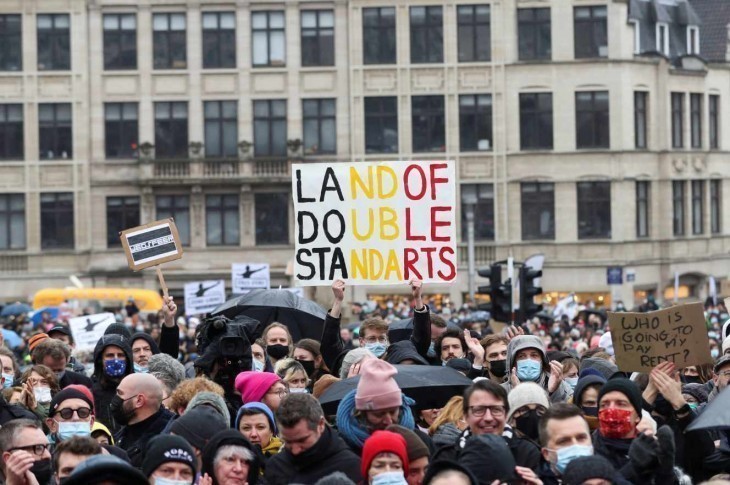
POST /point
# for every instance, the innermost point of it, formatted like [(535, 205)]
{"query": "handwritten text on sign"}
[(374, 223), (644, 340)]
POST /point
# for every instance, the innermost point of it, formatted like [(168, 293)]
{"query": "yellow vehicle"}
[(146, 300)]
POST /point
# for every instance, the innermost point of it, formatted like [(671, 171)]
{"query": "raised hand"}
[(169, 310), (556, 376), (475, 348), (416, 293), (338, 290), (512, 332)]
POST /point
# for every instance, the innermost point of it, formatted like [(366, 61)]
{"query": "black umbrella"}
[(715, 415), (400, 330), (304, 318), (430, 386)]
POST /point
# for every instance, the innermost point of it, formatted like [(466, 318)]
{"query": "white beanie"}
[(726, 345), (524, 394), (606, 342)]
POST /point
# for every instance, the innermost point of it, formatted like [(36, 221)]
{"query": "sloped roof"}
[(715, 16)]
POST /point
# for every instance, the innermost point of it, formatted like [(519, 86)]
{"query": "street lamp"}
[(468, 202)]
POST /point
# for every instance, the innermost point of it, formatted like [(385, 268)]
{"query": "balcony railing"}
[(215, 169), (483, 253), (13, 263)]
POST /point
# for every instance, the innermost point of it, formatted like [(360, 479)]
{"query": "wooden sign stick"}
[(162, 281)]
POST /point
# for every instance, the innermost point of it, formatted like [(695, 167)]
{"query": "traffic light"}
[(499, 293), (528, 292)]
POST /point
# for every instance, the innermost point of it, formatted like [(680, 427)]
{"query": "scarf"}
[(353, 431)]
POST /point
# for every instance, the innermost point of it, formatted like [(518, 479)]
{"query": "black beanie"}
[(118, 329), (197, 425), (627, 388), (167, 448), (585, 468)]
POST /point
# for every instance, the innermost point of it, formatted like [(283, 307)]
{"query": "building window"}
[(637, 35), (538, 211), (642, 208), (221, 128), (381, 125), (54, 42), (269, 39), (536, 121), (428, 124), (714, 116), (12, 146), (221, 220), (121, 130), (11, 43), (57, 220), (483, 215), (693, 39), (475, 122), (678, 207), (170, 44), (427, 35), (640, 117), (715, 206), (591, 119), (55, 131), (318, 38), (533, 26), (176, 207), (320, 127), (695, 113), (590, 32), (475, 43), (594, 210), (171, 129), (269, 127), (698, 206), (120, 41), (662, 38), (121, 213), (378, 28), (677, 120), (12, 221), (272, 207), (219, 40)]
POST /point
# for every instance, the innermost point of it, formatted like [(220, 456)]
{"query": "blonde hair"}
[(452, 413), (286, 368)]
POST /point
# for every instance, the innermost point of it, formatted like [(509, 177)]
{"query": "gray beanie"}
[(353, 357), (605, 367), (168, 366), (524, 394), (213, 400)]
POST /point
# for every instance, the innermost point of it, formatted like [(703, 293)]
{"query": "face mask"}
[(115, 367), (590, 411), (691, 379), (572, 382), (528, 424), (59, 375), (297, 390), (42, 394), (166, 481), (693, 405), (389, 478), (431, 350), (528, 370), (8, 382), (569, 453), (308, 366), (42, 470), (615, 423), (377, 348), (715, 353), (119, 414), (258, 366), (277, 351), (498, 367), (68, 430), (140, 370)]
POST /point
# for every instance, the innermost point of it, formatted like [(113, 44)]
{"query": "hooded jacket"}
[(147, 338), (562, 393), (230, 437), (500, 465), (525, 452), (105, 387)]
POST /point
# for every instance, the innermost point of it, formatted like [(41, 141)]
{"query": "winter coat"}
[(104, 387), (133, 438), (230, 437), (328, 455), (70, 378), (445, 435), (562, 393), (525, 452), (8, 412)]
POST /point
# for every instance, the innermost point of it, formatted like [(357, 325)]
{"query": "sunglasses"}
[(67, 413)]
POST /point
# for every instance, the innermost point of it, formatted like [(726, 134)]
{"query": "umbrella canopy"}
[(304, 318), (400, 330), (15, 309), (12, 339), (430, 386), (37, 316), (715, 415)]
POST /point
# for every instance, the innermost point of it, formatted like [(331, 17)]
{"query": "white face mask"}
[(167, 481), (297, 390), (42, 394)]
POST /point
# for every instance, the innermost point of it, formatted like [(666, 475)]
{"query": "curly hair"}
[(181, 396), (45, 373)]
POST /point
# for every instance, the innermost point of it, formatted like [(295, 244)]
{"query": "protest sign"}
[(249, 276), (204, 296), (87, 330), (374, 223), (643, 340)]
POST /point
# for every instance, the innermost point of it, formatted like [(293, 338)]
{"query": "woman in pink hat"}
[(265, 387)]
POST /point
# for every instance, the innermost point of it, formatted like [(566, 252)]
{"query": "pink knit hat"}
[(377, 388), (254, 385)]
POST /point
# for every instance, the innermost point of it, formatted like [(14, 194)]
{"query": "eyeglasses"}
[(35, 449), (380, 340), (725, 373), (479, 411), (67, 413), (282, 393)]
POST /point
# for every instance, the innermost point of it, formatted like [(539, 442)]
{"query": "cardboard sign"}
[(204, 296), (87, 330), (152, 244), (678, 334), (249, 276), (374, 223)]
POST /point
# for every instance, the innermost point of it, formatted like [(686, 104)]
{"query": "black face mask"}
[(308, 366), (528, 423), (498, 367), (42, 471), (118, 413), (691, 379), (590, 411), (277, 351)]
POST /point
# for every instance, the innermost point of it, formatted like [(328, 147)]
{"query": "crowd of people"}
[(166, 400)]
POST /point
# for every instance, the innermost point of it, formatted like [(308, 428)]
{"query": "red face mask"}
[(615, 423)]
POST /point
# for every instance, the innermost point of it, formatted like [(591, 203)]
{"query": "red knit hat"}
[(383, 442), (253, 386), (377, 388)]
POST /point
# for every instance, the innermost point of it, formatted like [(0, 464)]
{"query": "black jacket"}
[(104, 387), (230, 437), (170, 340), (617, 452), (525, 452), (330, 454), (133, 438), (70, 378), (8, 412)]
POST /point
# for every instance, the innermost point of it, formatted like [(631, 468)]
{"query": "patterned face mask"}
[(614, 423), (115, 367)]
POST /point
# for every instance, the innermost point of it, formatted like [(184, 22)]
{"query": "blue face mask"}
[(693, 405), (715, 353), (377, 348), (528, 370), (432, 350), (389, 478), (140, 370), (115, 367), (572, 382), (569, 453), (257, 365), (68, 430), (8, 382)]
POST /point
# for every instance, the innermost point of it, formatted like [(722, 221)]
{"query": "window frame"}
[(125, 125), (320, 120), (698, 207), (536, 200), (643, 208), (11, 43), (676, 103), (476, 26), (12, 132), (592, 22), (641, 118), (283, 218), (433, 114), (320, 34), (661, 38), (593, 116), (122, 39), (271, 121), (385, 118), (589, 206), (535, 118), (693, 40), (11, 214), (695, 119), (713, 106), (56, 139), (715, 206), (59, 43), (533, 28), (57, 209), (218, 44), (223, 124), (269, 31), (678, 208), (478, 117), (432, 33), (484, 214), (382, 37), (121, 218), (175, 212), (222, 209), (175, 130), (164, 42)]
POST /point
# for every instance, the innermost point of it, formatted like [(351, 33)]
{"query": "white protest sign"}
[(87, 330), (374, 223), (249, 276), (204, 296)]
